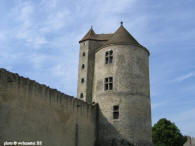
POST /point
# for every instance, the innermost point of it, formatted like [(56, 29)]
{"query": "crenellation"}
[(47, 94), (27, 87), (73, 104), (52, 96), (33, 110), (78, 105), (22, 82), (58, 98), (65, 101), (40, 90), (36, 86)]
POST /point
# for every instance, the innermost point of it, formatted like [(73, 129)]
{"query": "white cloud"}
[(55, 21), (184, 77), (26, 28), (109, 14), (38, 60), (59, 71), (34, 31), (22, 13), (26, 11)]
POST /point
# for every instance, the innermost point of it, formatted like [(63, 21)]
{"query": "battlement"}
[(30, 88), (31, 111)]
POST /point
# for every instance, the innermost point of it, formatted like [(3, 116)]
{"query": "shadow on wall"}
[(108, 135)]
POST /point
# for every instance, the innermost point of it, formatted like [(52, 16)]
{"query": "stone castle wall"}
[(33, 112)]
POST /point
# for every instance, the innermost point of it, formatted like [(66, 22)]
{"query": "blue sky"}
[(39, 40)]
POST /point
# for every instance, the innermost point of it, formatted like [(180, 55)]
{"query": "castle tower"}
[(88, 45), (121, 89), (86, 67)]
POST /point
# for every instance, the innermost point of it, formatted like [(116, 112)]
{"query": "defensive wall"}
[(33, 112)]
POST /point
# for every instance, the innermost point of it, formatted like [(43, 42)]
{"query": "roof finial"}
[(121, 22), (91, 26)]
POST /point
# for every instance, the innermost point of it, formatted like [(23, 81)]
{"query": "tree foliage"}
[(166, 133)]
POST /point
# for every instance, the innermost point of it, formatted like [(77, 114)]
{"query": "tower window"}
[(81, 95), (82, 80), (115, 112), (109, 57), (108, 83), (83, 66), (83, 53)]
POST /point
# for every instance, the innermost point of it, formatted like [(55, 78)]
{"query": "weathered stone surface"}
[(130, 72), (33, 112), (87, 73)]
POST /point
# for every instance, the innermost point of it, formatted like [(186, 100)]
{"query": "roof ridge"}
[(91, 35)]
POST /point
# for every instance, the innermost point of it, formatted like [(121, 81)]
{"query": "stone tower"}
[(86, 67), (119, 83), (88, 46)]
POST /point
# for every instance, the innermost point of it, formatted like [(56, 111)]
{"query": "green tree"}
[(166, 133)]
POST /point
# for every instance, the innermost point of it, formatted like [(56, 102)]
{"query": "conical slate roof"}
[(121, 36), (89, 36)]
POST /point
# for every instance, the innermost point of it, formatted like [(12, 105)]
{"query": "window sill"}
[(116, 120)]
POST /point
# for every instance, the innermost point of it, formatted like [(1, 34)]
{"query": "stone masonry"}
[(128, 89), (112, 107)]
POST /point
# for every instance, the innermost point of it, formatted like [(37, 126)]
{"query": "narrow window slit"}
[(116, 112), (83, 66), (82, 80)]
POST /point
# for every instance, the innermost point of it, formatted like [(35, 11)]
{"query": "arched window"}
[(83, 54)]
